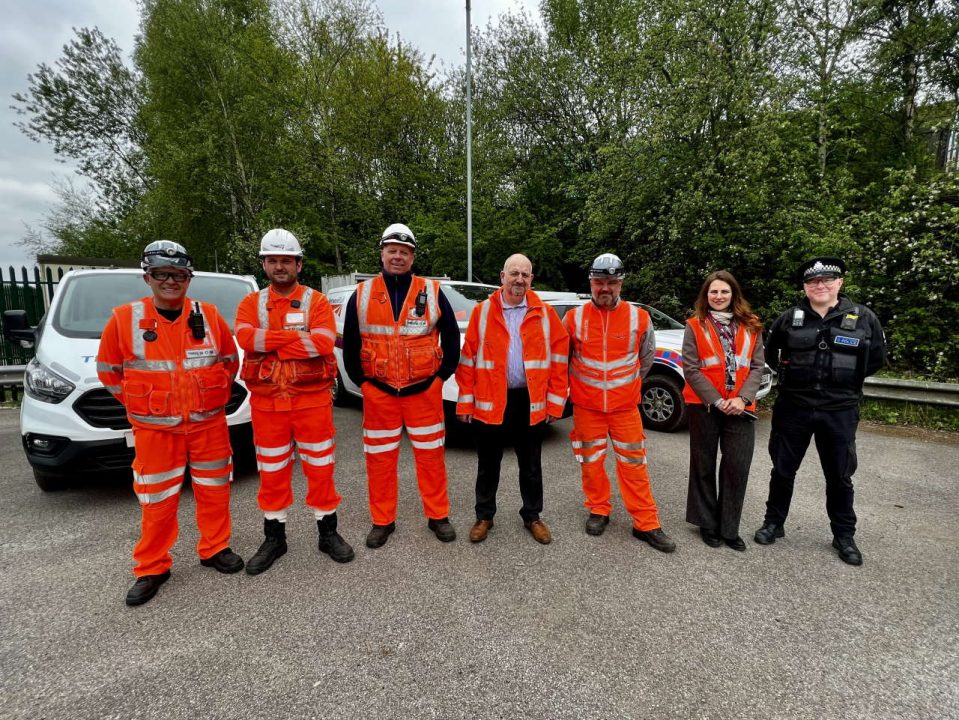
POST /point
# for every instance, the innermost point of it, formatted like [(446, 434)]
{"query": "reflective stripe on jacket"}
[(481, 374), (399, 352), (712, 359), (279, 361), (164, 376), (606, 347)]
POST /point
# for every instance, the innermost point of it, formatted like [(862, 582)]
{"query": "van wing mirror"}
[(16, 329)]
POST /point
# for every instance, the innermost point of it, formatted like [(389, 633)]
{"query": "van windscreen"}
[(88, 300)]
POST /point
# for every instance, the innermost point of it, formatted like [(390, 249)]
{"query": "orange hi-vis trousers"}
[(384, 416), (275, 432), (625, 428), (158, 470)]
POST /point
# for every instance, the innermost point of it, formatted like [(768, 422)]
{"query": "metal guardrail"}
[(12, 374), (921, 392)]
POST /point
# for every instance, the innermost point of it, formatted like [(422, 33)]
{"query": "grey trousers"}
[(712, 505)]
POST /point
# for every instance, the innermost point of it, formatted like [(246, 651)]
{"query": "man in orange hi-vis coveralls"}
[(287, 332), (512, 380), (612, 347), (390, 333), (171, 362)]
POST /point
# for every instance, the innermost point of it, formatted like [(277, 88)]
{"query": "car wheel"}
[(663, 407), (50, 482), (341, 398)]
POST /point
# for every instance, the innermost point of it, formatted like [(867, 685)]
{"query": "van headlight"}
[(41, 383)]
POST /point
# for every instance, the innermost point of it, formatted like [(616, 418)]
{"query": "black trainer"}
[(443, 529), (767, 534), (596, 524), (657, 538), (145, 588), (330, 541), (379, 534), (273, 547), (848, 552), (225, 561)]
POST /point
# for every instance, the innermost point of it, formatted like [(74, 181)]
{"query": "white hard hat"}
[(165, 253), (280, 242), (400, 234)]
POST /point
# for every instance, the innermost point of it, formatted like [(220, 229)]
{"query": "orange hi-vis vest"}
[(712, 359), (400, 352), (604, 371), (482, 371), (278, 360), (165, 377)]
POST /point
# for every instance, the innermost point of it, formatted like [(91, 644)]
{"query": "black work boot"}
[(379, 534), (596, 524), (330, 541), (848, 552), (272, 548), (145, 588), (443, 529)]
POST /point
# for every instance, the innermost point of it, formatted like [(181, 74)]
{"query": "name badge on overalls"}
[(294, 318), (849, 322)]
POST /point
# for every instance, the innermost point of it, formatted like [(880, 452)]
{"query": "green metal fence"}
[(28, 290)]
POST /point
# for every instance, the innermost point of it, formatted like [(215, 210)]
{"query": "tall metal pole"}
[(469, 148)]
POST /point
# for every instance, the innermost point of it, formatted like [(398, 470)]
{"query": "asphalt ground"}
[(585, 627)]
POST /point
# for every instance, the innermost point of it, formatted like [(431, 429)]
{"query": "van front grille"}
[(100, 409)]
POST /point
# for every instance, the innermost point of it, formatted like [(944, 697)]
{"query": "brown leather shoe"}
[(539, 531), (480, 530)]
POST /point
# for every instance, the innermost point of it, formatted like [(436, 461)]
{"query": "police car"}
[(662, 406)]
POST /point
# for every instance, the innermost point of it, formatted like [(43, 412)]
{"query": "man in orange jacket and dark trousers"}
[(400, 343), (171, 362), (512, 380), (287, 332), (612, 347)]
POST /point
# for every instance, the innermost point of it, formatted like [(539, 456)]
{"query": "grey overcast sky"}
[(35, 32)]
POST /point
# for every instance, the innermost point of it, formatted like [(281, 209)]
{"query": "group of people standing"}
[(171, 362)]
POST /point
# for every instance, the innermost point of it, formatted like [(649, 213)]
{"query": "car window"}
[(561, 309), (464, 297), (88, 300), (661, 321)]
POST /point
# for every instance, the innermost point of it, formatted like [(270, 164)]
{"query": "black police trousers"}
[(835, 432)]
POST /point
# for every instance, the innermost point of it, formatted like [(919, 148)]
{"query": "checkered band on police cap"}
[(822, 267)]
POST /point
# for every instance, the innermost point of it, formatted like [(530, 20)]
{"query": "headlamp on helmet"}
[(607, 265)]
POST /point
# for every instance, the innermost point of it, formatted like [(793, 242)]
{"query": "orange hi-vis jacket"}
[(399, 352), (166, 378), (712, 359), (605, 370), (482, 371), (282, 368)]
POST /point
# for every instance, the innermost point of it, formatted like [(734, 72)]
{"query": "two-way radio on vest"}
[(195, 321)]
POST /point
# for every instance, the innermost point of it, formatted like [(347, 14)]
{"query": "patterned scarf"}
[(725, 328)]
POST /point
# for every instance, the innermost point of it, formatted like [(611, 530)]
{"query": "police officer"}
[(824, 348)]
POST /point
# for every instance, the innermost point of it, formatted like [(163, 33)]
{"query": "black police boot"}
[(767, 534), (330, 541), (848, 552), (273, 547)]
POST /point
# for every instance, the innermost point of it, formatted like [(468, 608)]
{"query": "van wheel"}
[(50, 482), (662, 407)]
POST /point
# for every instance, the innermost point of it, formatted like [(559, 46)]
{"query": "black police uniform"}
[(822, 362)]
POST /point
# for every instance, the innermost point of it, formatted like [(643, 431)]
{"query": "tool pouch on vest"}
[(373, 366), (423, 362), (312, 371), (799, 368), (258, 368), (211, 388), (136, 397)]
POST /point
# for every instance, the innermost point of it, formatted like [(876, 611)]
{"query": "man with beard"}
[(612, 347), (287, 332)]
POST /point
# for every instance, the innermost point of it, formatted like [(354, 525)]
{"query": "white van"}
[(70, 424)]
